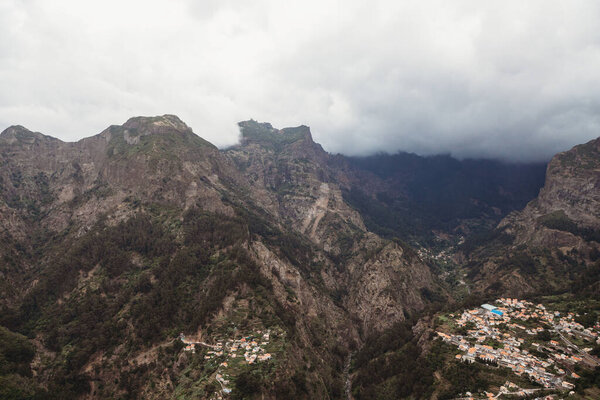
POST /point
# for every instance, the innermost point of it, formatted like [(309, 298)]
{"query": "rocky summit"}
[(552, 244), (144, 262)]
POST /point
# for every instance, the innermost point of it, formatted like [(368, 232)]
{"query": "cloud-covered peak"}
[(513, 80)]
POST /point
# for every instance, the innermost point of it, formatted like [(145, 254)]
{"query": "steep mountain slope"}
[(116, 243), (379, 280), (553, 244)]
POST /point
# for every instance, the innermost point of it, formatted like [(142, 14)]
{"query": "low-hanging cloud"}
[(514, 80)]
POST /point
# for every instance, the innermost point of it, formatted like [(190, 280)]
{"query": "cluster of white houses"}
[(252, 346), (488, 325)]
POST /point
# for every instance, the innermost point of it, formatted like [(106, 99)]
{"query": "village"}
[(526, 338), (249, 349)]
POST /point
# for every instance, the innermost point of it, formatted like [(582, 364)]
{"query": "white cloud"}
[(509, 79)]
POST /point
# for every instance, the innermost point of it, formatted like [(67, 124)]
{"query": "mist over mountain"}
[(416, 195), (507, 81)]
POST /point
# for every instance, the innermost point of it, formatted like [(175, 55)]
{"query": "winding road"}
[(582, 353)]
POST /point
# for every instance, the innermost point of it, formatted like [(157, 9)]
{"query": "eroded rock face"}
[(295, 178), (556, 236), (573, 185), (387, 286), (571, 196)]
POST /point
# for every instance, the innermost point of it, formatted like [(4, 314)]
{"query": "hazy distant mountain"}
[(411, 196)]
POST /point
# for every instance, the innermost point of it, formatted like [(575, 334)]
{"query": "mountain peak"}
[(264, 134), (157, 124), (14, 129), (18, 133), (152, 134)]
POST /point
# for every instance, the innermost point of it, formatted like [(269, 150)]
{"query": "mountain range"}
[(114, 245)]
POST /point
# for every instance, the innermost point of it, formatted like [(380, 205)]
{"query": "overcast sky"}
[(518, 80)]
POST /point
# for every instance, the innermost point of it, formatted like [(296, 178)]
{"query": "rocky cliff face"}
[(572, 189), (573, 185), (115, 243), (376, 280), (553, 243)]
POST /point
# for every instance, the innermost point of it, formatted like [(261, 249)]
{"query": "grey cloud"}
[(513, 80)]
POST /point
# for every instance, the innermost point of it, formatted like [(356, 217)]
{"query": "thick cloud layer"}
[(512, 79)]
